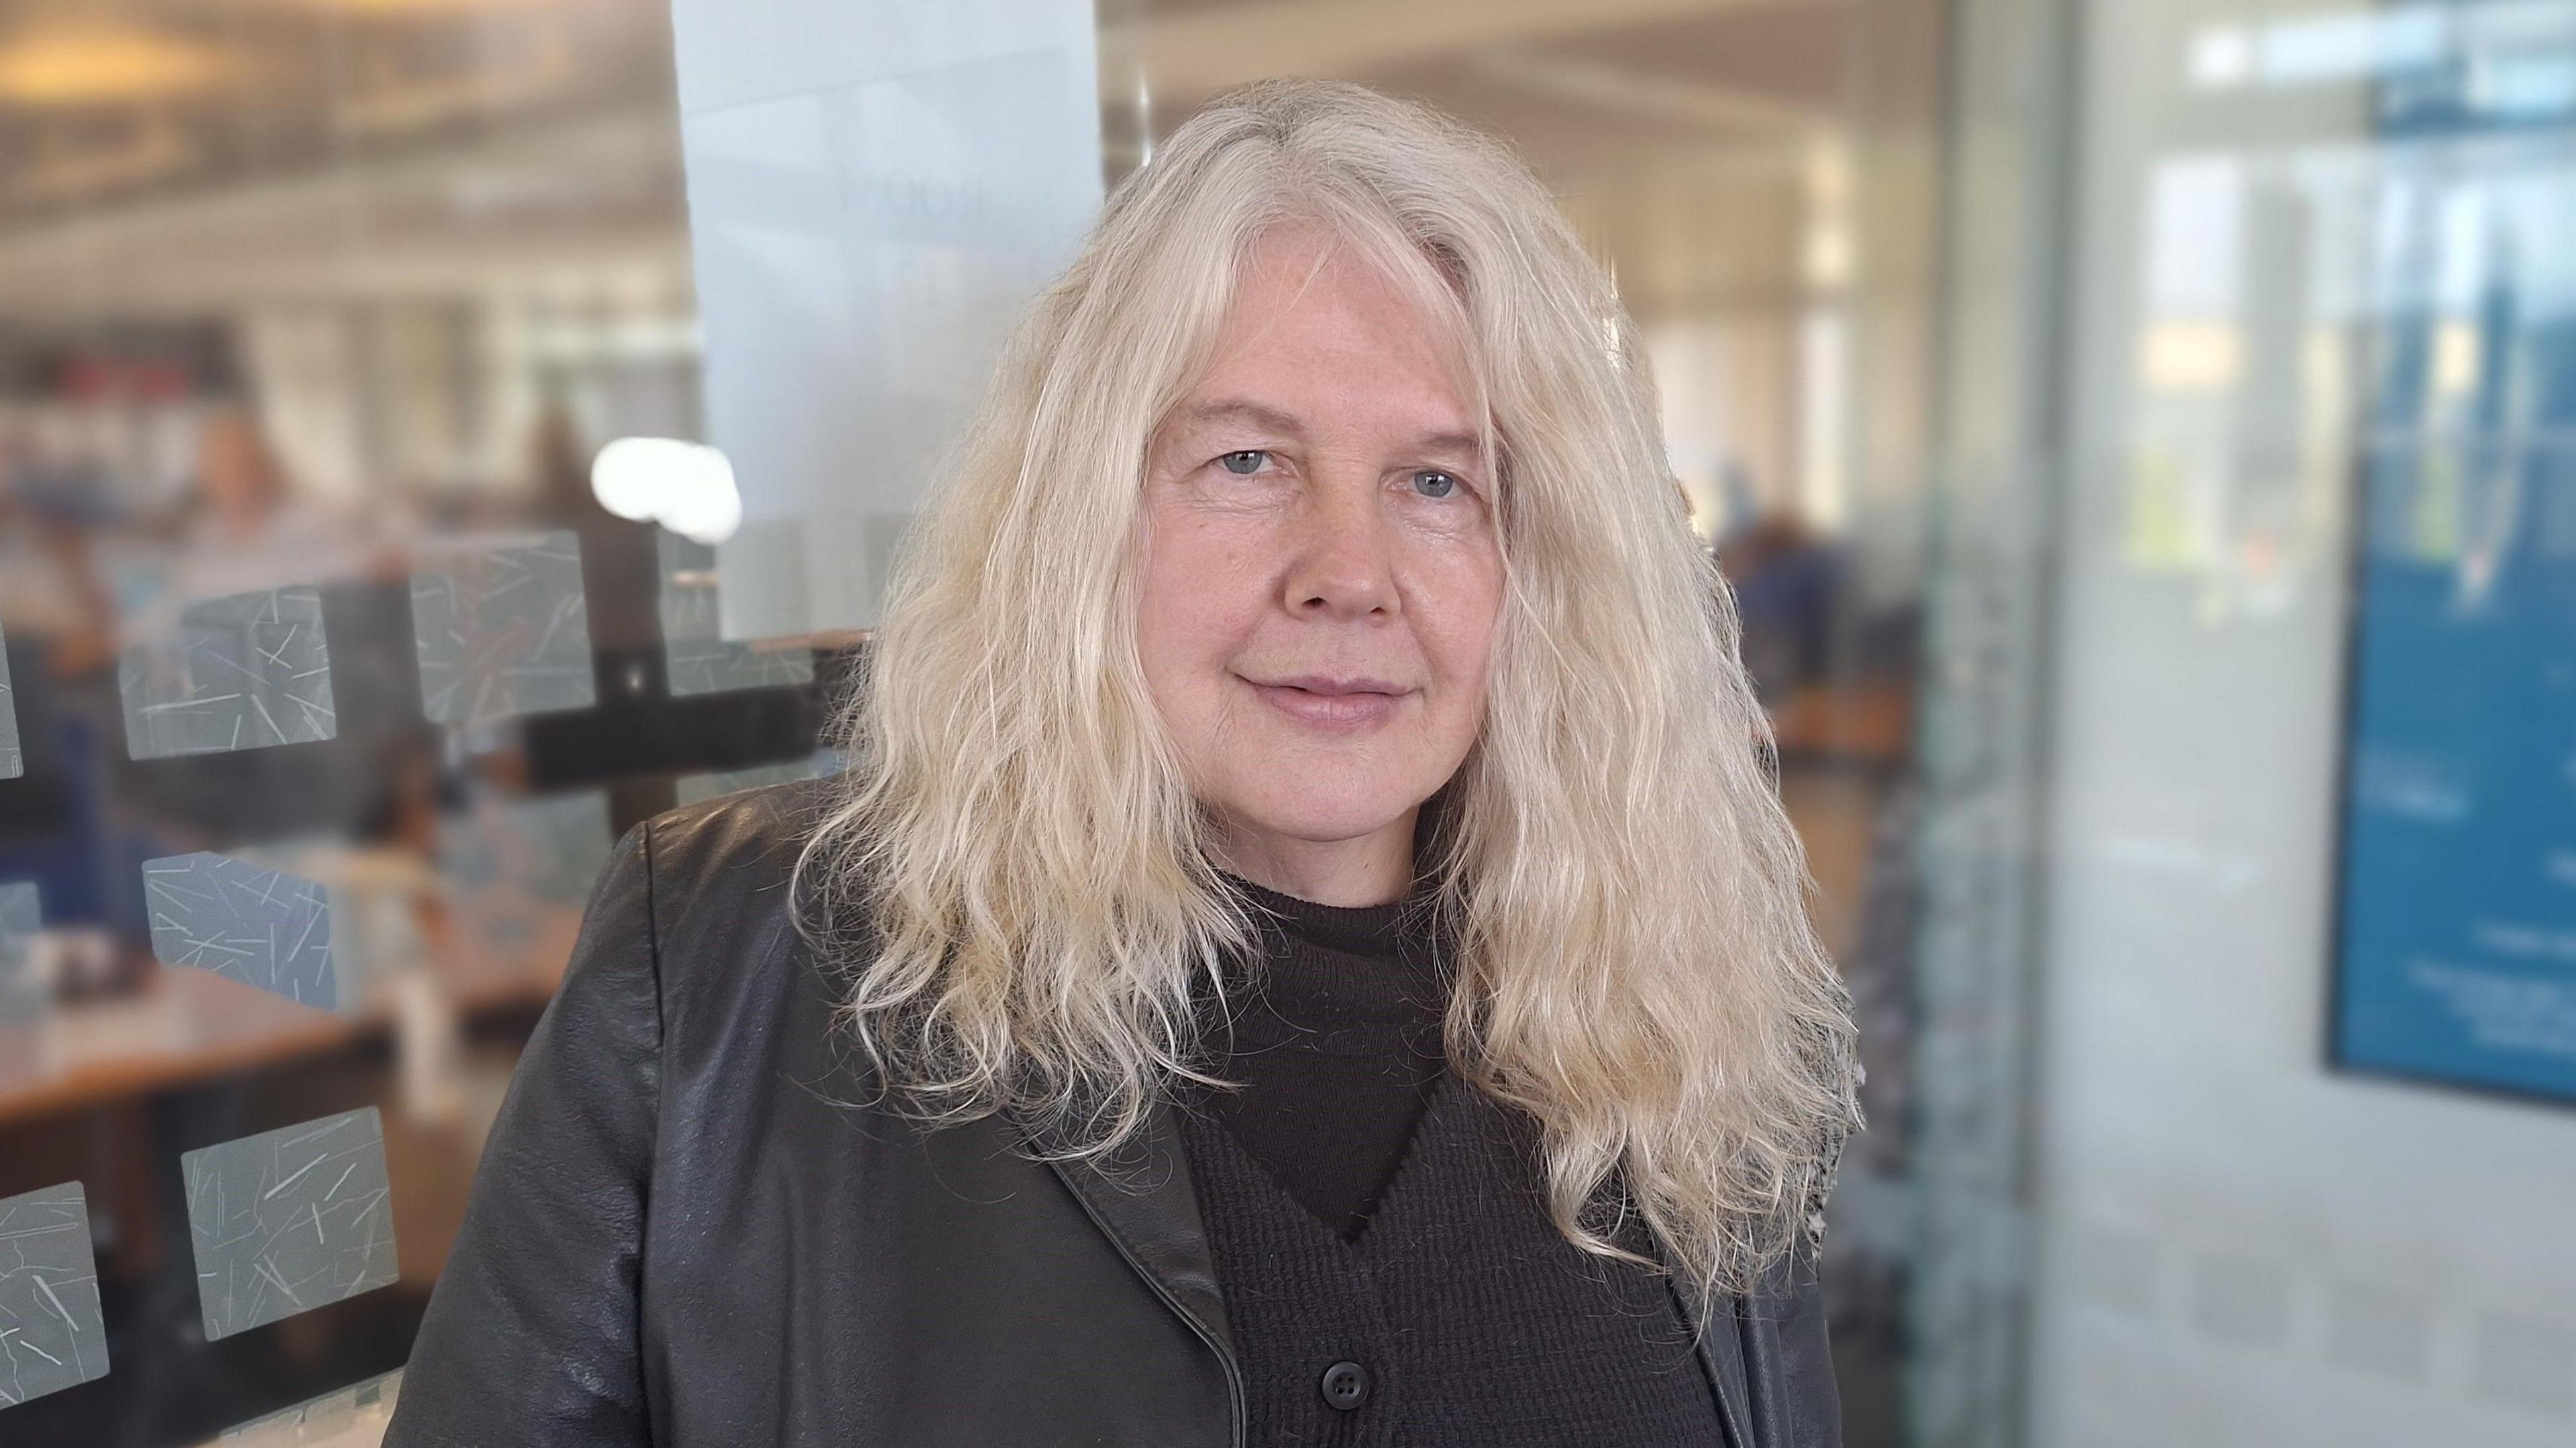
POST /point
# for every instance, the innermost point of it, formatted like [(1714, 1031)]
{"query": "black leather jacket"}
[(692, 1226)]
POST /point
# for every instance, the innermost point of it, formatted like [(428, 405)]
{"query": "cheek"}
[(1191, 609), (1457, 632)]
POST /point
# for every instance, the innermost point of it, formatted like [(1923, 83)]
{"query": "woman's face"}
[(1321, 575)]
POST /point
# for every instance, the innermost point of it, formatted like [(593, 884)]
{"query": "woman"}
[(1310, 955)]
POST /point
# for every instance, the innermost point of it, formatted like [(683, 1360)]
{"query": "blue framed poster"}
[(2456, 909)]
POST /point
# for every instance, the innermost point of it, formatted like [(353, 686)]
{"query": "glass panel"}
[(53, 1338), (241, 672), (2311, 691), (872, 198), (259, 927), (305, 356), (289, 1220), (503, 628)]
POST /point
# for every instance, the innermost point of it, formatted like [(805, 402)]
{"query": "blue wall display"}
[(2456, 909)]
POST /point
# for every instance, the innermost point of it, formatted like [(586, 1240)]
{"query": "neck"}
[(1372, 869)]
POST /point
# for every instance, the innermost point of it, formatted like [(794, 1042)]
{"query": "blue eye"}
[(1242, 464), (1432, 483)]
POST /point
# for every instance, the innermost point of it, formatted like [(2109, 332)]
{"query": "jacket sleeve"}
[(1795, 1400), (531, 1335)]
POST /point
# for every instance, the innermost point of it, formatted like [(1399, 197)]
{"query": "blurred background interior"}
[(2141, 435)]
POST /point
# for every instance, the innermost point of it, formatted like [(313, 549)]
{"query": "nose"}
[(1340, 566)]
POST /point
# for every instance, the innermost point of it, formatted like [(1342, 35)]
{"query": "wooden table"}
[(187, 1027)]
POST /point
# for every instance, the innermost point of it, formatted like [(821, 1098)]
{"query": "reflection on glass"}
[(701, 661), (52, 1338), (243, 672), (259, 927), (502, 628), (290, 1220)]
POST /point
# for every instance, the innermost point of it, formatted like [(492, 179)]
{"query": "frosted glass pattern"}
[(50, 1334), (242, 672), (260, 927), (502, 628), (290, 1220)]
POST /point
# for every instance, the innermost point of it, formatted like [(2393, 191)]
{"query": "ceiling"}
[(163, 155), (108, 99)]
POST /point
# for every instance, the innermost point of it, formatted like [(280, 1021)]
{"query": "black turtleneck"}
[(1336, 1035)]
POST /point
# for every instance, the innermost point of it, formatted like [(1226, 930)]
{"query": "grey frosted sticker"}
[(697, 659), (290, 1220), (22, 996), (502, 629), (241, 672), (50, 1333), (260, 927), (12, 762)]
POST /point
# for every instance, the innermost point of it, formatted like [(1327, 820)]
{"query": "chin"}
[(1353, 809)]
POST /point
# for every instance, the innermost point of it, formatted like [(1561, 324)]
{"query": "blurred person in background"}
[(1785, 580), (243, 527), (1246, 991), (58, 622), (50, 586)]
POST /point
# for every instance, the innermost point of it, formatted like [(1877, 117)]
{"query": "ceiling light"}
[(94, 66), (686, 487)]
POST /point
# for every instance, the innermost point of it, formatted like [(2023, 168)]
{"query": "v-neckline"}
[(1437, 1103)]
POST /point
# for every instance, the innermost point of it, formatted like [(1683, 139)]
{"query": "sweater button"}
[(1346, 1385)]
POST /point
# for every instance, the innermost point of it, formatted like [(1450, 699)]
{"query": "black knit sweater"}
[(1336, 1034), (1390, 1272)]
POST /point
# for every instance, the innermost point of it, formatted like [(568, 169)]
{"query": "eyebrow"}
[(1237, 409)]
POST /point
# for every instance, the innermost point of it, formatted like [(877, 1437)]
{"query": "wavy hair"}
[(1014, 871)]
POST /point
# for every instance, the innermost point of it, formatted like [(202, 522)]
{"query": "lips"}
[(1330, 702)]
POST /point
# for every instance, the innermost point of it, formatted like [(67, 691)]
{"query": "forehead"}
[(1318, 332)]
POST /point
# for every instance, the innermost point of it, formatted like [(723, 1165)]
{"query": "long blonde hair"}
[(1015, 872)]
